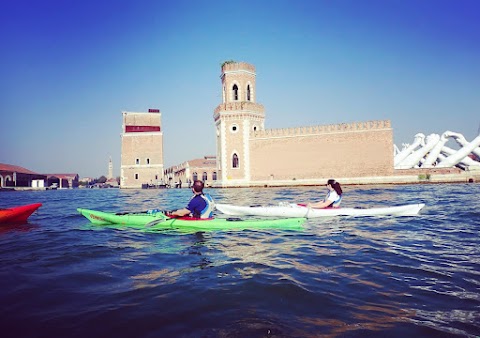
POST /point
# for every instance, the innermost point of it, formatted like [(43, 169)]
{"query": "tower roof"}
[(237, 66)]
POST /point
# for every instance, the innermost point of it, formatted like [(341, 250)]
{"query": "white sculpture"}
[(419, 140), (463, 142), (434, 152), (432, 157), (416, 157)]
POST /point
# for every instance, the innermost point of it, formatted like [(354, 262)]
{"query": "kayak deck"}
[(295, 210), (18, 214), (159, 221)]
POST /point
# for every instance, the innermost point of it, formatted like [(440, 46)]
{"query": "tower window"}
[(148, 161), (235, 93), (235, 163), (136, 176), (248, 93), (204, 176), (137, 161), (234, 128), (194, 176), (214, 176)]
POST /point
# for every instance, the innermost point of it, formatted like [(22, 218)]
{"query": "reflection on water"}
[(341, 276)]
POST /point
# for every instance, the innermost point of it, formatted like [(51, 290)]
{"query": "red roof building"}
[(15, 176)]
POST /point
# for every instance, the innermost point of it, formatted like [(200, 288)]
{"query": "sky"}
[(69, 68)]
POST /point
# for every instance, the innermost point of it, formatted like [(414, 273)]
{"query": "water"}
[(340, 277)]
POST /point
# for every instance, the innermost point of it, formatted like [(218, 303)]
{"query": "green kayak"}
[(158, 221)]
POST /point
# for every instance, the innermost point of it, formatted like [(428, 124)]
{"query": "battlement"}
[(239, 106), (323, 129), (237, 66)]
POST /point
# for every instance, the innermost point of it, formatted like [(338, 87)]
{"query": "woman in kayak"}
[(200, 206), (333, 197)]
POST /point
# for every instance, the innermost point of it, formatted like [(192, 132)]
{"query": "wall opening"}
[(235, 92), (235, 163)]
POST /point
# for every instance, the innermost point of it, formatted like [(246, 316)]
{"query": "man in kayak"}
[(333, 197), (200, 206)]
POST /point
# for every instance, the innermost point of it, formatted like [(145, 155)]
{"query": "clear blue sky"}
[(69, 68)]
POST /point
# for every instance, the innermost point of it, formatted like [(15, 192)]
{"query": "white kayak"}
[(295, 210)]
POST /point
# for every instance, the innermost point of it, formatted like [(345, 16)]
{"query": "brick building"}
[(204, 169), (63, 181), (142, 149), (249, 155)]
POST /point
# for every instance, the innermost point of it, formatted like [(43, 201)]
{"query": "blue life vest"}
[(207, 212)]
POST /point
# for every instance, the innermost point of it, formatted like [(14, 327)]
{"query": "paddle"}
[(308, 210), (150, 211), (163, 217), (130, 213)]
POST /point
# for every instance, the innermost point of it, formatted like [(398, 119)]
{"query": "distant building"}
[(63, 181), (112, 182), (142, 149), (204, 169), (15, 176), (110, 169), (85, 180)]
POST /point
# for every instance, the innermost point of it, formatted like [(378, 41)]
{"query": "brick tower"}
[(142, 149), (235, 118)]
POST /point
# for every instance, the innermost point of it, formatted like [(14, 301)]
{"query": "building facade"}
[(250, 155), (235, 118), (12, 176), (142, 149), (63, 181), (183, 175), (110, 169)]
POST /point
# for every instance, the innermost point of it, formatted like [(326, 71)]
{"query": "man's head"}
[(197, 186)]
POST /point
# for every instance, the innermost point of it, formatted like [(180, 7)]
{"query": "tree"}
[(102, 179)]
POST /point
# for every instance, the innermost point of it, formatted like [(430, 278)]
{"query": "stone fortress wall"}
[(279, 156), (339, 150)]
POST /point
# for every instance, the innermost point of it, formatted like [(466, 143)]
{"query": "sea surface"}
[(61, 276)]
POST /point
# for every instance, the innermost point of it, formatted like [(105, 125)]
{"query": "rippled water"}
[(340, 277)]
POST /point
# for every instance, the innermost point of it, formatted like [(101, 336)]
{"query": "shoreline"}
[(403, 178)]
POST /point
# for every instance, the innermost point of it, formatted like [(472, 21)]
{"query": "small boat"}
[(159, 221), (18, 214), (297, 210)]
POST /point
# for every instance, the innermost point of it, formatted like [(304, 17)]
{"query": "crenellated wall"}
[(323, 129), (340, 150)]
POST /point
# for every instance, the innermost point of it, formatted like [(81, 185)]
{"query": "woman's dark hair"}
[(198, 186), (336, 186)]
